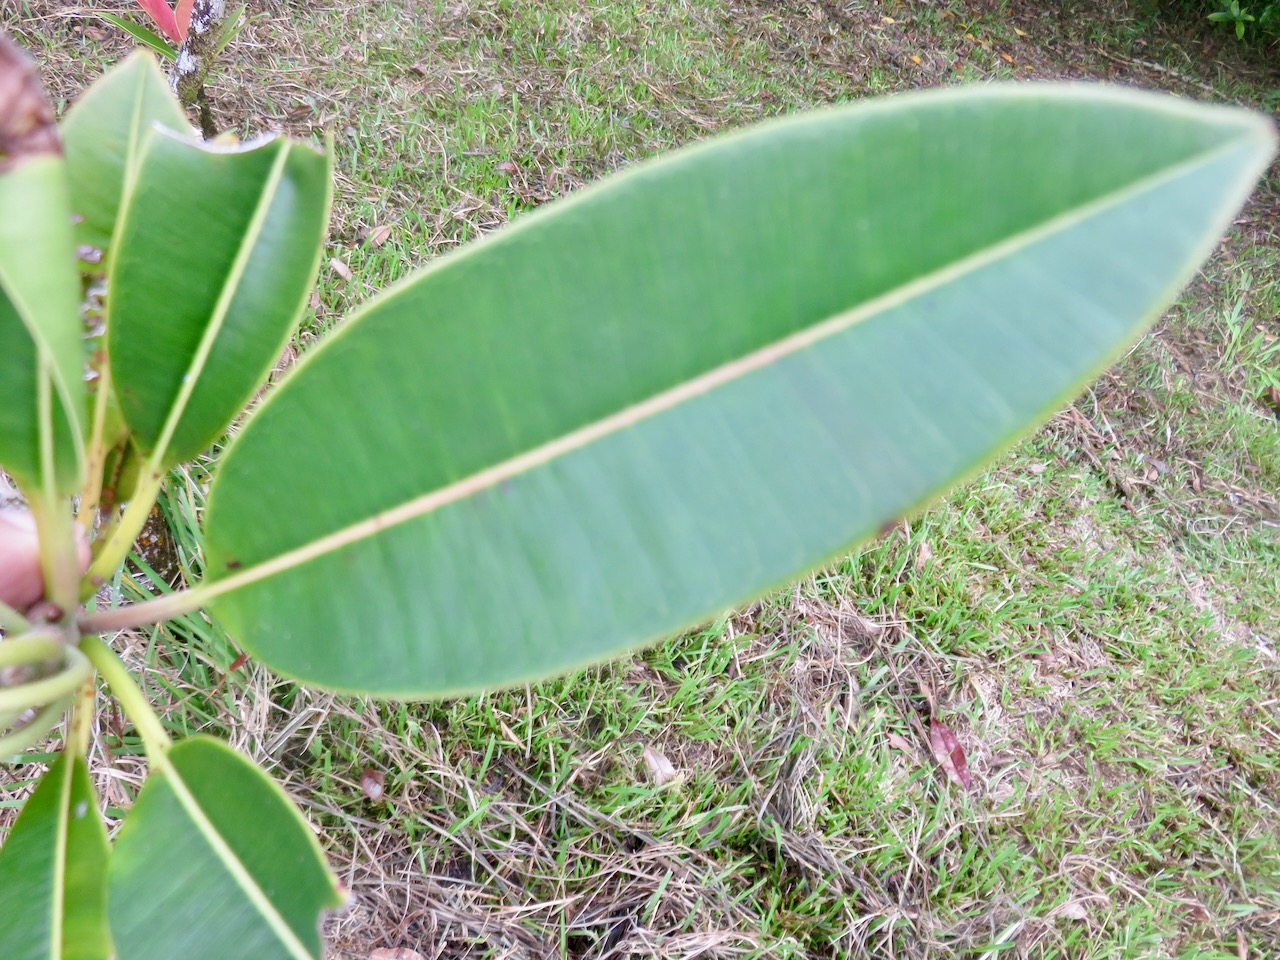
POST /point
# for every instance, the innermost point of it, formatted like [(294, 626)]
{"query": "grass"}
[(1095, 617)]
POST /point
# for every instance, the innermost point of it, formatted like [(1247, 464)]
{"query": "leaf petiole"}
[(125, 689), (11, 621)]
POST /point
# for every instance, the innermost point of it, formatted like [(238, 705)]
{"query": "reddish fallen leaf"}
[(949, 754), (507, 167), (238, 662), (371, 783)]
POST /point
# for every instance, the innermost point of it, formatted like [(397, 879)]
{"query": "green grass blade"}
[(232, 27), (148, 38)]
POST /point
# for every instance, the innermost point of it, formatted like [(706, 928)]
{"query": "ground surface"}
[(1096, 618)]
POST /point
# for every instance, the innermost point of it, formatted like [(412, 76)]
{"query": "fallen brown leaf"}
[(924, 554), (1271, 398), (507, 167), (660, 768), (1073, 910), (371, 783), (404, 953), (948, 752), (378, 235), (340, 268), (1195, 911), (898, 741)]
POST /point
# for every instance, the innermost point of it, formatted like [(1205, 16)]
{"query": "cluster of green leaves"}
[(649, 402), (1261, 18), (173, 26)]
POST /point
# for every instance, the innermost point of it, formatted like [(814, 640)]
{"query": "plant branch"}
[(196, 57), (130, 696)]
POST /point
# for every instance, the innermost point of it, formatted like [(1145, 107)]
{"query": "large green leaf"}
[(53, 872), (103, 134), (671, 393), (40, 365), (217, 252), (214, 861)]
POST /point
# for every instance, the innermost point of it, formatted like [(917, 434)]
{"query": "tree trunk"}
[(187, 77)]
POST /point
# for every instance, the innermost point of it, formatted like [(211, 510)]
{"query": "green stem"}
[(123, 533), (82, 712), (11, 621), (61, 686), (58, 559), (30, 733), (38, 645), (96, 455), (130, 696)]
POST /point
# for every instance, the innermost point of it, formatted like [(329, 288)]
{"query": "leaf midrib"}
[(239, 873), (58, 919), (230, 288), (668, 399)]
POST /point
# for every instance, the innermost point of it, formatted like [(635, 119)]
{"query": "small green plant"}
[(191, 51), (654, 400), (1243, 19)]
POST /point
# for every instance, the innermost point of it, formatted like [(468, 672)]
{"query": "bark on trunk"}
[(187, 77)]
